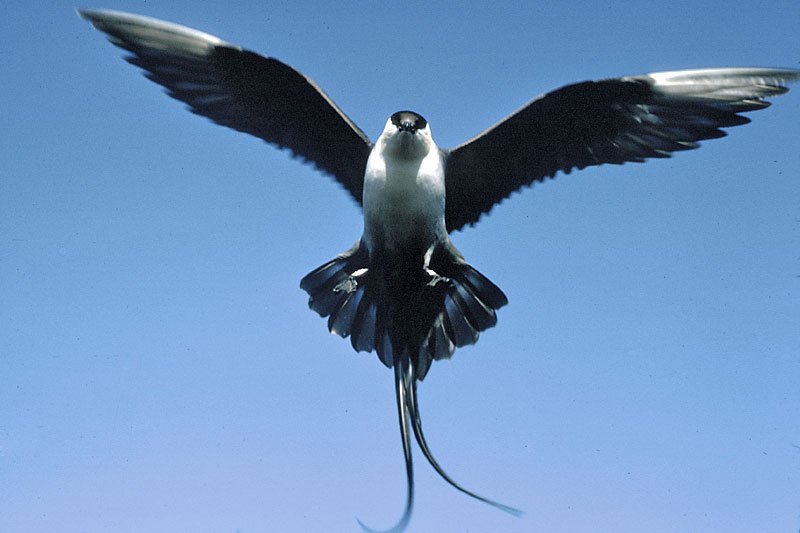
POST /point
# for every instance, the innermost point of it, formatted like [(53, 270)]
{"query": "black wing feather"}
[(597, 122), (244, 91)]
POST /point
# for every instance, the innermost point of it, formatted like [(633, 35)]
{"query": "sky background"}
[(160, 370)]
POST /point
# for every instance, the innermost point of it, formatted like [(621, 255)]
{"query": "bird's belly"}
[(403, 215)]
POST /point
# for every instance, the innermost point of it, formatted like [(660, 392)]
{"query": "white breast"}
[(403, 200)]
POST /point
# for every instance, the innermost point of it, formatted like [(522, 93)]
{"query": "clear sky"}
[(160, 370)]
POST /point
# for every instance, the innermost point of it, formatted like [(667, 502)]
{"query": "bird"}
[(404, 290)]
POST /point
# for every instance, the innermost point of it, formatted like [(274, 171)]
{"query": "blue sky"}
[(160, 370)]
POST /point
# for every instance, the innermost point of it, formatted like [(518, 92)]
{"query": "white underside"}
[(403, 200)]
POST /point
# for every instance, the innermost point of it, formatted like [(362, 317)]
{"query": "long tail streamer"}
[(405, 380), (416, 424), (401, 373)]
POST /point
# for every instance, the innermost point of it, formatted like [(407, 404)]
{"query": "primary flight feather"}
[(403, 289)]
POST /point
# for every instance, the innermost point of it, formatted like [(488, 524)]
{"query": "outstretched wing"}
[(244, 91), (596, 122)]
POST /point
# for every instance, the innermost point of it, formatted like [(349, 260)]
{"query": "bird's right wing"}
[(244, 91), (597, 122)]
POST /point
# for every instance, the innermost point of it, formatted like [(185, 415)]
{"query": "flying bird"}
[(404, 290)]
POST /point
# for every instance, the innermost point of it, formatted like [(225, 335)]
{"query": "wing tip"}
[(746, 86), (132, 28)]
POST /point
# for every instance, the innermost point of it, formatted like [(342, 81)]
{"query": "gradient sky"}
[(160, 370)]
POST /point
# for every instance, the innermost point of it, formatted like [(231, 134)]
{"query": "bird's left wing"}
[(597, 122), (244, 91)]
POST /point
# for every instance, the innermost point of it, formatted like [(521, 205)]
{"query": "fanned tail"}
[(398, 306), (411, 312)]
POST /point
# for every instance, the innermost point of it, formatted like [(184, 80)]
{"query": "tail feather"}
[(485, 290), (362, 336), (416, 424), (410, 316), (408, 412), (325, 285), (444, 308), (457, 326), (338, 290), (343, 318), (439, 345), (468, 308), (312, 281), (401, 387), (479, 314)]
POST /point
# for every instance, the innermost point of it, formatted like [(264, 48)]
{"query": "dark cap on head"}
[(409, 121)]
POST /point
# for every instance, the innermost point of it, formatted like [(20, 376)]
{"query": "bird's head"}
[(407, 136)]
